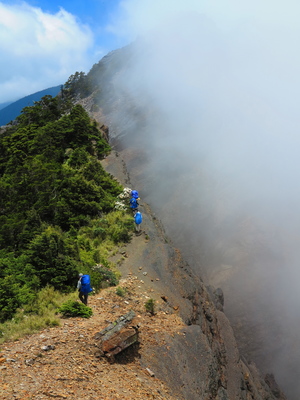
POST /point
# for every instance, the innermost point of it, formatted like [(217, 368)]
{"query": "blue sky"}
[(97, 14), (43, 42)]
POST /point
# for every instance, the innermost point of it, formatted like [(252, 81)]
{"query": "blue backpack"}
[(86, 284), (135, 194), (138, 218), (133, 203)]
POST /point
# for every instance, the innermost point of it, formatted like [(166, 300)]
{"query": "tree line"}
[(56, 202)]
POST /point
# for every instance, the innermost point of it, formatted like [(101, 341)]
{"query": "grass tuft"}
[(150, 306), (121, 291)]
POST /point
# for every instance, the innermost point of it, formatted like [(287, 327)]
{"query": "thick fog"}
[(219, 83)]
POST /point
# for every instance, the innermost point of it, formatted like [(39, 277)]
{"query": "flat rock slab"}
[(119, 335)]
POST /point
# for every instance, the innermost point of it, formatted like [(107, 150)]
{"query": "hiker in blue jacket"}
[(134, 200), (138, 218), (84, 288), (134, 204)]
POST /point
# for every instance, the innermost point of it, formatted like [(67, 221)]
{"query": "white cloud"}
[(39, 50), (236, 65)]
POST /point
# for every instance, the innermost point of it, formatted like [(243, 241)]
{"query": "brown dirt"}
[(72, 370)]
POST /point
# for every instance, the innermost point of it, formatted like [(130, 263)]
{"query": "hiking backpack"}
[(86, 284), (135, 194), (133, 203), (138, 218)]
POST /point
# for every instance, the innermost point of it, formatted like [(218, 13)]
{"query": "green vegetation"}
[(150, 306), (57, 215), (75, 309), (120, 291), (77, 85), (36, 315)]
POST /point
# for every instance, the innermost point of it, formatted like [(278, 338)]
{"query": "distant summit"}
[(10, 112)]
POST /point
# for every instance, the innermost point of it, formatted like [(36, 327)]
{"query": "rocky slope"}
[(188, 344), (207, 363)]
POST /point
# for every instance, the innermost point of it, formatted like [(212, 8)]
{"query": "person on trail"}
[(84, 288), (134, 200), (138, 218), (134, 204)]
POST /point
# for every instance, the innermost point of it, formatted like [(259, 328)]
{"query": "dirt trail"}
[(72, 370)]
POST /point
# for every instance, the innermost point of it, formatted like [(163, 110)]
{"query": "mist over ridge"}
[(219, 86)]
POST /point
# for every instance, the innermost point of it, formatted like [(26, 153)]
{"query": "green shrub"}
[(101, 274), (104, 285), (119, 233), (99, 232), (75, 309), (120, 226), (120, 291), (150, 306), (96, 256)]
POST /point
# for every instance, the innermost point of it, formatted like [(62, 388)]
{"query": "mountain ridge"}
[(9, 112)]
